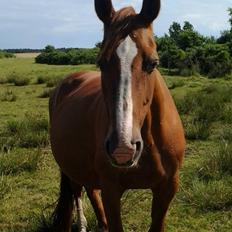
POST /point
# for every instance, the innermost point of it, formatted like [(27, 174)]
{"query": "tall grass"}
[(32, 131), (208, 185), (172, 84), (4, 186), (52, 82), (8, 95), (46, 93), (49, 80), (207, 196), (18, 79), (19, 160), (219, 162), (200, 109), (3, 79)]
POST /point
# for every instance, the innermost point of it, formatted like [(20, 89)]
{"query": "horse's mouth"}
[(124, 155), (125, 160)]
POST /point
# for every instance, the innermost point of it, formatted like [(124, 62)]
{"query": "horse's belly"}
[(76, 163), (73, 146)]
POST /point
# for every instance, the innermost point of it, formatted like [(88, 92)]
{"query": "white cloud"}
[(28, 23)]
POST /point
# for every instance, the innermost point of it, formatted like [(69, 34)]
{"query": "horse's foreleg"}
[(162, 197), (111, 196), (96, 201), (82, 222)]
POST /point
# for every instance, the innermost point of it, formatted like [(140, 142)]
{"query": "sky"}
[(73, 23)]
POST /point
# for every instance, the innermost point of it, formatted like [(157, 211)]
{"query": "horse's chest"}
[(143, 176)]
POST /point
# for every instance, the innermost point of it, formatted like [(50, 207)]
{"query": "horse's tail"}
[(62, 216)]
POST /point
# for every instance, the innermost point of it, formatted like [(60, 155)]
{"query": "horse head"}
[(127, 60)]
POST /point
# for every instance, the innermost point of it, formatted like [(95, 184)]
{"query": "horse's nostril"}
[(138, 146), (107, 145)]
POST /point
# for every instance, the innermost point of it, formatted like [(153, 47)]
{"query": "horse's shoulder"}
[(166, 123)]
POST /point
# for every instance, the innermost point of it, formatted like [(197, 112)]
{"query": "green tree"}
[(175, 30), (188, 26), (230, 19), (49, 48)]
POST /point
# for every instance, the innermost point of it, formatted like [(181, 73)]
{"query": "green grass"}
[(8, 95), (29, 176), (31, 131), (46, 93), (18, 161)]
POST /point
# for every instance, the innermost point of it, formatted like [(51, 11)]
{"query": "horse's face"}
[(128, 59)]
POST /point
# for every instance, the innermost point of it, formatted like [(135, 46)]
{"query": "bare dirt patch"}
[(27, 55)]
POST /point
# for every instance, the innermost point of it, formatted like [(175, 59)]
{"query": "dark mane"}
[(122, 24)]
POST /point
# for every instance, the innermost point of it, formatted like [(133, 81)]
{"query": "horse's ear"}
[(149, 12), (104, 10)]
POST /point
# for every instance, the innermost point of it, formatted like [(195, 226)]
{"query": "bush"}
[(189, 52), (42, 79), (4, 54), (214, 60), (67, 56)]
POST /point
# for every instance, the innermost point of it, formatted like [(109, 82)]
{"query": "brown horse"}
[(118, 129)]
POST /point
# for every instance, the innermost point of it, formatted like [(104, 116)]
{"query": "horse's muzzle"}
[(124, 155)]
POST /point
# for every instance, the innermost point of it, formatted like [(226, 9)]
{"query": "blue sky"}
[(73, 23)]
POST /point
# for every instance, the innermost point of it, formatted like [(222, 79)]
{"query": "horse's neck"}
[(163, 106), (162, 110), (165, 124)]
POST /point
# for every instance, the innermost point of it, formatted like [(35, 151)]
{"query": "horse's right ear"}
[(104, 10)]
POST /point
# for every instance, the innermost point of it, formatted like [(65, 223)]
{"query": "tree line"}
[(185, 50), (4, 54), (182, 50), (23, 50), (73, 56)]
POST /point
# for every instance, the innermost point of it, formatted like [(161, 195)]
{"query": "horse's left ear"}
[(149, 12), (104, 10)]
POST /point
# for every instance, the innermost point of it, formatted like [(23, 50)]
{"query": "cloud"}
[(65, 23)]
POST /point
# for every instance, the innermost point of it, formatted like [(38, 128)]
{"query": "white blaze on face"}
[(126, 52)]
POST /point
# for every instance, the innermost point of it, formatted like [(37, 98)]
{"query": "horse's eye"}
[(149, 64)]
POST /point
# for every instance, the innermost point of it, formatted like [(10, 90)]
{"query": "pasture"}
[(29, 177)]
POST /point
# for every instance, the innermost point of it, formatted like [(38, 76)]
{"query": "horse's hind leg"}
[(96, 201), (162, 197), (82, 222), (62, 216)]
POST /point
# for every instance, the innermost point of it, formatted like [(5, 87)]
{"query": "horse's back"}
[(70, 86)]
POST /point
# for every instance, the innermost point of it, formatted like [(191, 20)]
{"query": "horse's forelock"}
[(120, 27)]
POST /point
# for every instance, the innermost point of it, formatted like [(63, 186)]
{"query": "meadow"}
[(29, 176)]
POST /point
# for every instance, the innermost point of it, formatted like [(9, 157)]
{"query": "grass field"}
[(29, 177)]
